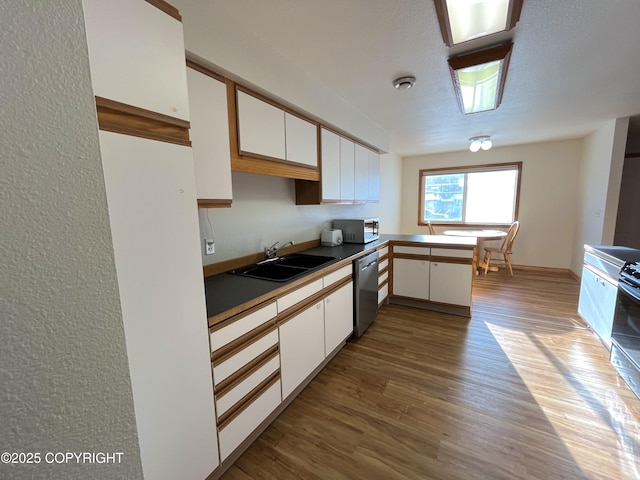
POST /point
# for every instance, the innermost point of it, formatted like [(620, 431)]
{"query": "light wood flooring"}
[(522, 390)]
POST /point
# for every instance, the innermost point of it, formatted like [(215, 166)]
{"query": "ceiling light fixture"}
[(404, 83), (478, 78), (483, 142), (464, 20)]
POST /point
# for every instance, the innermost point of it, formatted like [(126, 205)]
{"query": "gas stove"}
[(630, 273)]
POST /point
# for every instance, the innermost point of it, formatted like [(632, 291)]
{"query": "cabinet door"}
[(330, 171), (301, 140), (151, 195), (374, 177), (210, 136), (136, 54), (301, 347), (450, 283), (411, 278), (347, 170), (260, 127), (361, 173), (597, 303), (338, 317)]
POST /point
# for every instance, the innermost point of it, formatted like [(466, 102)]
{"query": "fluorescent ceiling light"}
[(478, 78), (464, 20)]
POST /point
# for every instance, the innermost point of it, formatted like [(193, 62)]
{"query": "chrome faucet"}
[(272, 251)]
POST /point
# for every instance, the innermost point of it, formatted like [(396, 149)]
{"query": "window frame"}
[(467, 169)]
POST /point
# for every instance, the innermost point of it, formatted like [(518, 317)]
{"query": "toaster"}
[(331, 237)]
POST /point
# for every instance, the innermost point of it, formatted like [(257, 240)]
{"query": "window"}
[(485, 195)]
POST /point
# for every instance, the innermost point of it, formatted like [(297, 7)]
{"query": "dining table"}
[(482, 236)]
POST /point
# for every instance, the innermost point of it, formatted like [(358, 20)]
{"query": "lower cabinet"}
[(438, 278), (411, 278), (597, 303), (338, 317), (451, 282), (301, 346)]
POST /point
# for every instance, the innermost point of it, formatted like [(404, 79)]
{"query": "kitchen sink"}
[(284, 268)]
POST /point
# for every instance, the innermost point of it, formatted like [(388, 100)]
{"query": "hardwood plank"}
[(521, 390)]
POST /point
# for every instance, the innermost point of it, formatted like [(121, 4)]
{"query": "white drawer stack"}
[(246, 373)]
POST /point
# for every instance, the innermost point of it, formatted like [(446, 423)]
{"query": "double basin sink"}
[(281, 269)]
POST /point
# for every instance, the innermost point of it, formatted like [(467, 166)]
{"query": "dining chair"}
[(432, 230), (504, 249)]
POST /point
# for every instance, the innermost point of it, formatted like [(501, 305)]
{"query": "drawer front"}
[(412, 250), (238, 429), (383, 292), (235, 328), (240, 359), (383, 251), (229, 399), (299, 295), (382, 278), (383, 264), (330, 279), (451, 252)]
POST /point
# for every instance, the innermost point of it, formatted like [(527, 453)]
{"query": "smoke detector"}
[(404, 83)]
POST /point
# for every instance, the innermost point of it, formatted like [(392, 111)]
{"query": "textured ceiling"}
[(574, 65)]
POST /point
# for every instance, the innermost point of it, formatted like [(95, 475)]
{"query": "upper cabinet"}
[(273, 141), (210, 136), (350, 173), (136, 54), (260, 128)]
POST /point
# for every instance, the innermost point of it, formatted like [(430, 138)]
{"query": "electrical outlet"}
[(209, 247)]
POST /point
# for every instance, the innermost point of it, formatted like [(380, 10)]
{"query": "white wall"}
[(599, 182), (264, 212), (63, 364), (548, 196), (219, 39)]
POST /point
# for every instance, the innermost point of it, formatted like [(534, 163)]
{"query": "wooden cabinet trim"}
[(233, 380), (334, 287), (299, 307), (166, 8), (204, 70), (242, 342), (214, 203), (240, 316), (460, 261), (248, 399), (126, 119), (411, 256)]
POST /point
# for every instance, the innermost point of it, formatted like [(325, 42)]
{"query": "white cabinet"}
[(411, 278), (260, 127), (136, 54), (210, 136), (451, 277), (347, 170), (450, 283), (361, 174), (267, 131), (330, 154), (301, 346), (598, 302), (301, 140), (374, 177), (151, 194), (338, 317)]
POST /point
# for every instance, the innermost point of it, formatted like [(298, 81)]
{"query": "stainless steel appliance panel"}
[(365, 302)]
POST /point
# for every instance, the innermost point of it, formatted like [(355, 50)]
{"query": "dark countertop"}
[(615, 254), (226, 291)]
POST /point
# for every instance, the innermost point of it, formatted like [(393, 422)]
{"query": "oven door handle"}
[(632, 292)]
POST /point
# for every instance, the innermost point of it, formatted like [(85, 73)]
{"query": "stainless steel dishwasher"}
[(365, 292)]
